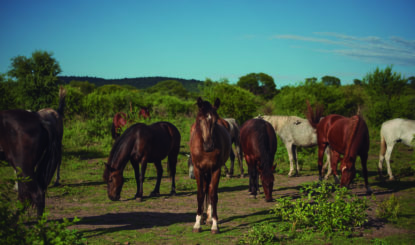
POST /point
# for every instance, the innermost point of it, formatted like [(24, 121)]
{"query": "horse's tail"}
[(49, 161), (313, 116), (62, 95), (355, 120), (382, 144)]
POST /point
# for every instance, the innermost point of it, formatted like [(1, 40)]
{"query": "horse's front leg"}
[(58, 176), (290, 151), (327, 165), (240, 159), (213, 196), (159, 168), (200, 198), (139, 197), (321, 149), (136, 167), (334, 159)]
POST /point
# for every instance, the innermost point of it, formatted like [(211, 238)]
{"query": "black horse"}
[(30, 144)]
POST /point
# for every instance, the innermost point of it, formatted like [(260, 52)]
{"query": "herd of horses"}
[(32, 143)]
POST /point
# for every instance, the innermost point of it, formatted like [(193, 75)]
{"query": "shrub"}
[(389, 209)]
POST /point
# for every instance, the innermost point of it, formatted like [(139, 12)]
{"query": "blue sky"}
[(226, 39)]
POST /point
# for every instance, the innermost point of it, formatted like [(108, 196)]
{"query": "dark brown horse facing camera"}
[(259, 144), (142, 144), (210, 146), (345, 136)]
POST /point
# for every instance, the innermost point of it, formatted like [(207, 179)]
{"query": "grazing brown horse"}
[(345, 136), (119, 121), (210, 146), (259, 144), (55, 119), (30, 144), (142, 144)]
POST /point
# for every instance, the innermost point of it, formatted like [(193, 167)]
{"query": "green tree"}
[(331, 81), (357, 82), (37, 79), (84, 87), (236, 102), (258, 84), (170, 87), (389, 96)]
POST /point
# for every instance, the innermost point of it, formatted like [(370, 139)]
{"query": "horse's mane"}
[(118, 147), (354, 122)]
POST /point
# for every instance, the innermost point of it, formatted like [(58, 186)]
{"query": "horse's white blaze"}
[(393, 131), (198, 222), (214, 224), (344, 168)]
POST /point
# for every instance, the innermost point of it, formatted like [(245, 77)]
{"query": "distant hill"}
[(139, 82)]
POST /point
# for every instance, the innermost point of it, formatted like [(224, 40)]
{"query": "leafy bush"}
[(323, 210), (14, 230), (389, 209)]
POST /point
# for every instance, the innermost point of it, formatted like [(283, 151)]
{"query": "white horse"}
[(295, 131), (391, 132)]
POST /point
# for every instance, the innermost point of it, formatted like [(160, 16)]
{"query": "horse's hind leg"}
[(297, 170), (387, 158), (172, 162), (290, 156), (156, 191), (327, 165), (232, 157), (363, 159)]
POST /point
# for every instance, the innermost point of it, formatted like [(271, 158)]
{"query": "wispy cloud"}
[(394, 50)]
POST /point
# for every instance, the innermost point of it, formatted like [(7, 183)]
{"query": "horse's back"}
[(258, 138), (398, 129), (299, 132), (168, 133)]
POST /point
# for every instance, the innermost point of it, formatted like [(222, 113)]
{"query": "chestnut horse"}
[(119, 121), (259, 144), (31, 145), (55, 119), (142, 144), (346, 136), (210, 146)]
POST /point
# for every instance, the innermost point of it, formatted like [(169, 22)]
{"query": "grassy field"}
[(169, 219)]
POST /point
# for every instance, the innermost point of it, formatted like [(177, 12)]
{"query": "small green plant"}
[(262, 233), (389, 209), (323, 207)]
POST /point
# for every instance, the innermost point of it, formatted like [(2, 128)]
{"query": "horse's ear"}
[(199, 102), (217, 103)]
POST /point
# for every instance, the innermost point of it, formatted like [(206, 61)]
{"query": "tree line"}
[(32, 83)]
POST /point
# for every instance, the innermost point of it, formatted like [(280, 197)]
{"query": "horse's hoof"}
[(139, 199), (214, 231), (242, 176), (154, 194), (172, 193), (197, 230), (228, 175)]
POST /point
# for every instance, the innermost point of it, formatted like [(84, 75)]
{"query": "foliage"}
[(236, 102), (170, 87), (331, 81), (37, 78), (389, 96), (258, 84), (389, 209), (343, 100), (262, 233), (84, 86), (14, 230)]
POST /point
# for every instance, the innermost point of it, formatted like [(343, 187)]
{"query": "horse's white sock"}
[(214, 224), (209, 213), (198, 221)]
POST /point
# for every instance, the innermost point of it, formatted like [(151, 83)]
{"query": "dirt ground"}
[(167, 210)]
